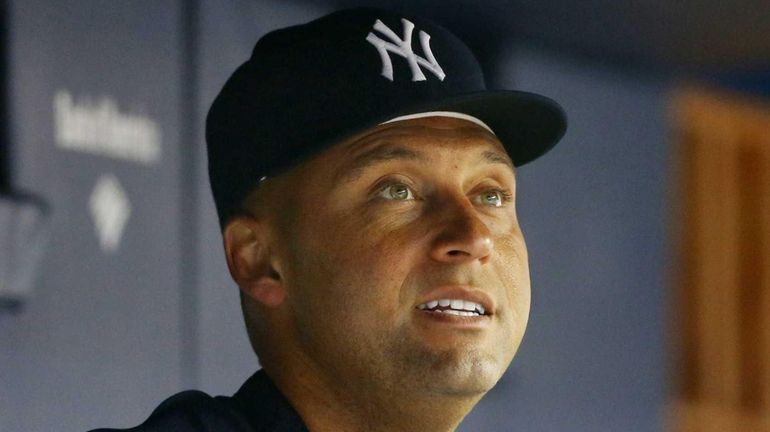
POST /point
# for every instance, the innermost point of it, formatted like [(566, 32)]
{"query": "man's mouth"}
[(454, 307)]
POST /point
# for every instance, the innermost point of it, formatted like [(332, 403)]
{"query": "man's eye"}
[(396, 192), (494, 197)]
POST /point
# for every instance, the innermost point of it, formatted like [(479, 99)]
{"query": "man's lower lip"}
[(457, 320)]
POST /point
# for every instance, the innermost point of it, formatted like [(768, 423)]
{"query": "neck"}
[(326, 406)]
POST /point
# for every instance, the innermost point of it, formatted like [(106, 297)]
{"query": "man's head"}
[(371, 224), (364, 241)]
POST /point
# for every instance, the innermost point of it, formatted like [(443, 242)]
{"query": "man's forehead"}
[(460, 133), (418, 140)]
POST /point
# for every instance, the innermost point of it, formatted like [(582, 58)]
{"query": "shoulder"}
[(258, 406), (193, 411)]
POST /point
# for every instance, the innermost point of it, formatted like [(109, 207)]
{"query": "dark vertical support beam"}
[(5, 133), (188, 218)]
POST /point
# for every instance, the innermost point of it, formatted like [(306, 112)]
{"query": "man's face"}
[(378, 230)]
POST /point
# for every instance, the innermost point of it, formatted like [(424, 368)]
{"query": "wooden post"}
[(764, 291), (725, 258)]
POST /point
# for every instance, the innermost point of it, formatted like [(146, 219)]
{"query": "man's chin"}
[(464, 374)]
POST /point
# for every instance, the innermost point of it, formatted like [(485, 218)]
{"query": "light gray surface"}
[(98, 343)]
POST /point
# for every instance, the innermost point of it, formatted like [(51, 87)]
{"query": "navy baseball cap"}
[(308, 87)]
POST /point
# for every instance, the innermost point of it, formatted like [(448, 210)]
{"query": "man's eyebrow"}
[(497, 157), (379, 154), (389, 151)]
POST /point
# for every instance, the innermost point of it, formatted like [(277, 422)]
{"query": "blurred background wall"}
[(133, 302)]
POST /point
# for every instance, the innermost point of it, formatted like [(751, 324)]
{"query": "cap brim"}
[(527, 124)]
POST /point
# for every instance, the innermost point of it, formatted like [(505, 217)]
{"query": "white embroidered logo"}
[(403, 47)]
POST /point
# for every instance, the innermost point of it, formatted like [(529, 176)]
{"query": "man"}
[(365, 188)]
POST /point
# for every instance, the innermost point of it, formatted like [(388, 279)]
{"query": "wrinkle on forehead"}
[(394, 141), (439, 127)]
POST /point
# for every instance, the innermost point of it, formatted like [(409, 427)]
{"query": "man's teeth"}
[(454, 307)]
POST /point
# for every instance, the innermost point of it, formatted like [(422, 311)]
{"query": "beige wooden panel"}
[(704, 417), (764, 198), (751, 266), (685, 338), (725, 283), (717, 233)]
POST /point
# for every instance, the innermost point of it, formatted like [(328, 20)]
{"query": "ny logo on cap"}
[(403, 47)]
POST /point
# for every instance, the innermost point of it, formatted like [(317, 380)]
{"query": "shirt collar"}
[(266, 408)]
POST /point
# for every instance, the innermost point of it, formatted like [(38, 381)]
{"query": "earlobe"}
[(248, 259)]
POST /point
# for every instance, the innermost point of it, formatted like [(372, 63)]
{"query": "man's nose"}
[(463, 235)]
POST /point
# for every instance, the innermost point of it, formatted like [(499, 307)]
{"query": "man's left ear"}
[(248, 259)]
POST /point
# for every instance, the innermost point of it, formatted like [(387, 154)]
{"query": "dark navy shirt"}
[(258, 406)]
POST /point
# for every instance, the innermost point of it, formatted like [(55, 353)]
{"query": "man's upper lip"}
[(461, 292)]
